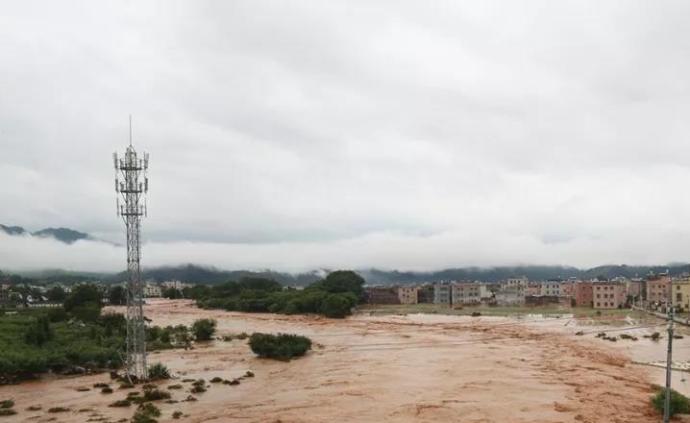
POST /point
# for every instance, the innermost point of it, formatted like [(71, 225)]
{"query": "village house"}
[(551, 287), (442, 293), (533, 288), (633, 288), (510, 296), (425, 293), (567, 288), (382, 295), (152, 290), (608, 295), (681, 294), (466, 293), (582, 294), (175, 284), (408, 294), (658, 287)]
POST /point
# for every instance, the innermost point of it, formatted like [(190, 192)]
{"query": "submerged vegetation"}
[(280, 347), (334, 296), (680, 404)]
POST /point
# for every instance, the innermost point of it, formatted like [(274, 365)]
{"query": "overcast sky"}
[(294, 135)]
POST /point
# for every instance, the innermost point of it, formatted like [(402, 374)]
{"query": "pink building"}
[(658, 288), (583, 294), (608, 294)]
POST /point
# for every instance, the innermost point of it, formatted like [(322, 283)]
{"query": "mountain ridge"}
[(65, 235)]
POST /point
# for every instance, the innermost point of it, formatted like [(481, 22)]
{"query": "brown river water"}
[(412, 368)]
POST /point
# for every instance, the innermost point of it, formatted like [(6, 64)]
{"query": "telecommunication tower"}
[(132, 183)]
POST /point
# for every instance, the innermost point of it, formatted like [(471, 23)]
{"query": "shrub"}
[(197, 389), (155, 395), (679, 403), (146, 413), (177, 386), (217, 379), (7, 412), (39, 332), (7, 404), (204, 329), (176, 415), (281, 347), (107, 390), (89, 312), (57, 315), (159, 372), (58, 410), (121, 403)]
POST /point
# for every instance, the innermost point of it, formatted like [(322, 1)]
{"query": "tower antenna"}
[(131, 182)]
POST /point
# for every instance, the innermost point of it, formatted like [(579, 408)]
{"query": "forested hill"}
[(208, 275), (537, 273)]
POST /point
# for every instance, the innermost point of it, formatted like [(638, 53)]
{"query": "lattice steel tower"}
[(132, 183)]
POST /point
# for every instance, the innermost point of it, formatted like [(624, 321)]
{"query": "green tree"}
[(172, 293), (336, 305), (39, 332), (260, 284), (342, 281), (203, 329), (56, 294), (82, 295), (117, 295)]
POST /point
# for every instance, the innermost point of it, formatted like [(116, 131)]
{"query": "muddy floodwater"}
[(411, 368)]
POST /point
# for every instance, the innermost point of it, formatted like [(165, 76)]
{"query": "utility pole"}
[(669, 311), (132, 183)]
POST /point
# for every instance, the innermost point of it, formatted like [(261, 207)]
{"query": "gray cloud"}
[(333, 134)]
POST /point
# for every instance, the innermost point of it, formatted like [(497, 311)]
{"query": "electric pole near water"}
[(132, 183), (669, 351)]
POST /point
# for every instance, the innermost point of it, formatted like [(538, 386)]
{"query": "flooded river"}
[(413, 368)]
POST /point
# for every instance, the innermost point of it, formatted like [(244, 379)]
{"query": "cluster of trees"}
[(334, 296), (280, 347), (77, 336)]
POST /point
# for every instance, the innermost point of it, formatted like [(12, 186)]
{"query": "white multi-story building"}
[(175, 285), (442, 293), (152, 291), (551, 288), (466, 293)]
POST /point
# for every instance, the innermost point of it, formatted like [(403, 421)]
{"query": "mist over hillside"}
[(191, 273)]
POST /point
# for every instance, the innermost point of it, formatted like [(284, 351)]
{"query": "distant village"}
[(652, 292), (52, 294)]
